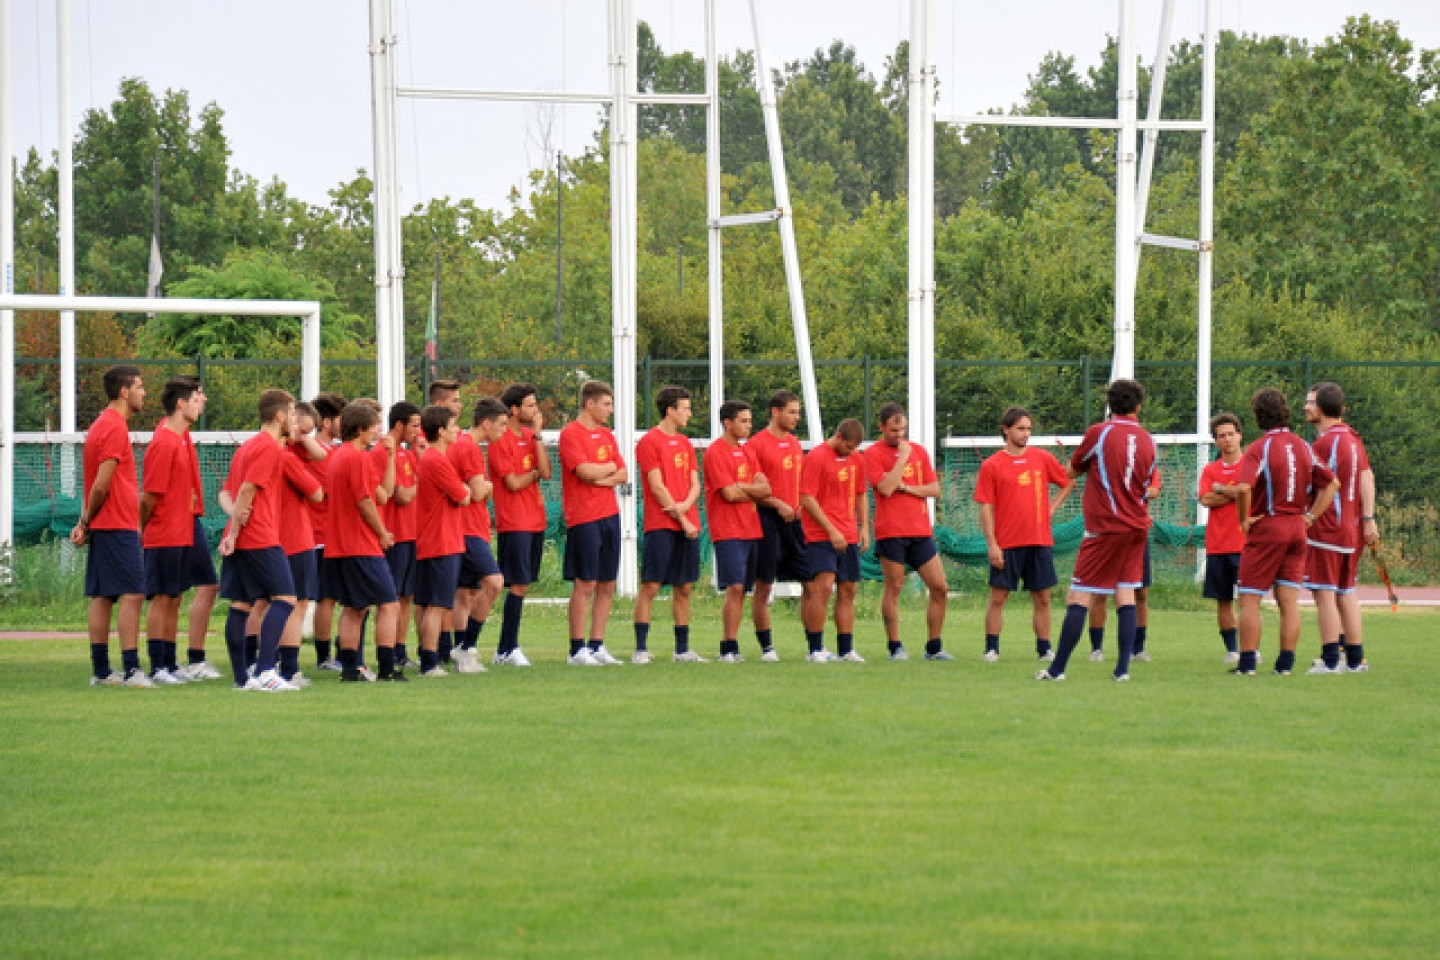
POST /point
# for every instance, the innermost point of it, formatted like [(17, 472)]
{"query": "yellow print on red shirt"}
[(682, 460), (602, 453)]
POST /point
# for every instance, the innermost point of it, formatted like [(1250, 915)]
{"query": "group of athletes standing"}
[(331, 505)]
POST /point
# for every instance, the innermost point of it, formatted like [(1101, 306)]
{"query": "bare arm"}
[(371, 516), (1323, 499), (1242, 506), (891, 481), (595, 472), (148, 502), (1368, 527), (387, 481), (405, 495), (862, 520), (239, 516), (812, 506), (99, 492), (987, 527), (1064, 495)]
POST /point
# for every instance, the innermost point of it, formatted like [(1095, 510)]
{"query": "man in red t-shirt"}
[(518, 464), (733, 487), (1340, 533), (1117, 457), (777, 454), (670, 480), (591, 467), (440, 501), (1219, 486), (398, 515), (1278, 477), (1013, 491), (328, 407), (480, 578), (110, 524), (204, 582), (299, 490), (835, 513), (904, 481)]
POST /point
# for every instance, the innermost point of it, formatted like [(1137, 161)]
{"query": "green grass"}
[(758, 810)]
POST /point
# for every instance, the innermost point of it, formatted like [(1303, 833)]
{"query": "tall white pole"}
[(623, 239), (798, 318), (714, 232), (1207, 234), (65, 164), (1123, 364), (397, 221), (921, 204), (1158, 72), (7, 281), (381, 105)]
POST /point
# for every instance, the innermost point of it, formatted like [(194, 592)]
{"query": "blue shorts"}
[(115, 565), (325, 593), (519, 555), (359, 583), (781, 555), (401, 559), (1035, 566), (735, 562), (167, 571), (476, 563), (592, 550), (822, 558), (435, 580), (305, 573), (669, 557), (1145, 579), (1222, 573), (250, 575), (202, 561), (913, 552)]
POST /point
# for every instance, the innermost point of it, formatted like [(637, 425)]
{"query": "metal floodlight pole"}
[(623, 251), (7, 282), (383, 113), (798, 318), (1126, 94), (714, 229), (397, 222), (921, 204), (65, 169), (1207, 243)]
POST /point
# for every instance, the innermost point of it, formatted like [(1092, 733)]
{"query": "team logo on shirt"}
[(526, 463), (1023, 479), (602, 453), (909, 473), (789, 462), (844, 475), (682, 461), (743, 471)]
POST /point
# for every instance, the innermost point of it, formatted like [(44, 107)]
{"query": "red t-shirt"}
[(109, 439), (1119, 456), (727, 464), (197, 482), (585, 502), (319, 509), (168, 477), (1018, 487), (439, 491), (296, 536), (781, 460), (469, 462), (900, 514), (1343, 452), (1222, 526), (353, 478), (1282, 474), (258, 461), (674, 457), (399, 518), (518, 511), (836, 483)]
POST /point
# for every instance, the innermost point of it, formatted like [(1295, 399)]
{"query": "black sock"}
[(1231, 638), (322, 651), (429, 660), (447, 644), (172, 650), (252, 650), (289, 662), (934, 645), (1125, 635), (1354, 655), (360, 650), (1042, 647), (402, 654), (195, 655), (1330, 654), (1285, 661), (272, 628), (844, 643), (385, 659), (156, 651), (682, 638), (470, 636), (595, 645), (992, 643), (100, 659), (815, 641), (1070, 632), (576, 646), (1342, 643), (510, 623), (349, 663), (1097, 638), (642, 636), (1140, 638), (729, 646), (235, 644), (762, 637), (130, 660), (1247, 662), (893, 645)]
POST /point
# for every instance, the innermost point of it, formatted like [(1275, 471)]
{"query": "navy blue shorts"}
[(167, 571), (320, 571), (782, 551), (592, 550), (1033, 565), (250, 575), (476, 563), (669, 557), (359, 583), (822, 558), (735, 562), (913, 552), (305, 573), (519, 555), (202, 560), (115, 565), (1222, 572), (1145, 580), (435, 580), (401, 559)]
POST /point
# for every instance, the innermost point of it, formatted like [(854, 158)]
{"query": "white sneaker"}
[(992, 656), (603, 657), (1047, 675), (137, 679), (818, 656), (1319, 669), (730, 658), (331, 664), (1142, 657), (1097, 656), (271, 682), (203, 671), (164, 678), (1232, 658), (900, 654), (689, 656), (1363, 668), (111, 679), (1047, 657), (853, 657), (584, 658), (515, 658), (367, 675), (434, 672), (299, 681), (641, 657), (770, 656), (467, 661), (1120, 677)]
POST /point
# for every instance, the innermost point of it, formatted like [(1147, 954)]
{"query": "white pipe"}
[(921, 210), (1123, 364), (788, 249), (507, 96), (65, 169), (396, 246), (715, 221), (1158, 71), (1017, 120), (1207, 243), (379, 105), (623, 252), (7, 282), (238, 308), (310, 354), (747, 219)]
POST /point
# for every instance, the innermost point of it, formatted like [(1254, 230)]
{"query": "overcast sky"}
[(293, 75)]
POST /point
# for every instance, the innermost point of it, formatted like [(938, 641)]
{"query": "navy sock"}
[(510, 623), (349, 662), (429, 660), (729, 646), (289, 661), (402, 653), (642, 636), (934, 645), (322, 650), (595, 644), (385, 660), (470, 636), (1354, 655), (762, 637), (1070, 632), (360, 650), (447, 643), (1330, 654), (100, 659), (576, 646), (682, 637), (844, 643), (1247, 662), (172, 649), (235, 644), (271, 630), (130, 660), (1342, 643), (156, 651), (195, 655), (1125, 635), (1097, 638), (815, 641), (1140, 633), (1042, 647), (252, 650), (1285, 661), (1231, 637), (992, 642)]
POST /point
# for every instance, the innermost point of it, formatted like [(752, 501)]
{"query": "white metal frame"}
[(624, 99)]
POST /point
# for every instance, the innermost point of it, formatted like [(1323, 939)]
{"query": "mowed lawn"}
[(753, 810)]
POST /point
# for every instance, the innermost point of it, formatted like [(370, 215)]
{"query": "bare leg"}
[(894, 574)]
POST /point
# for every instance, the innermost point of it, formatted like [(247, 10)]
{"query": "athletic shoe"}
[(1363, 668), (852, 657), (111, 679), (730, 658), (435, 671), (603, 657), (900, 654), (584, 658), (136, 678), (299, 680), (202, 671), (1047, 675), (367, 675), (1047, 657), (164, 678), (818, 656), (641, 657), (1120, 677), (1097, 656), (467, 661), (515, 658), (1319, 669), (1142, 657), (331, 664), (271, 682), (398, 675), (769, 656), (402, 662), (689, 656), (940, 655), (1280, 673), (1232, 658), (1243, 673), (992, 656)]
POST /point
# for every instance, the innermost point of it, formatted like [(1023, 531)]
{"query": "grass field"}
[(753, 810)]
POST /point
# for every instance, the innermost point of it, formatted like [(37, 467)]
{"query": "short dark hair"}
[(515, 394), (401, 412), (488, 408), (307, 409), (1329, 398), (888, 412), (669, 396), (1271, 409), (177, 390), (272, 402), (731, 409), (1222, 418), (117, 378), (594, 390), (438, 387), (781, 399), (329, 405), (850, 430), (1124, 397), (433, 419), (358, 416), (1014, 415)]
